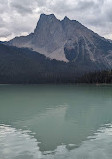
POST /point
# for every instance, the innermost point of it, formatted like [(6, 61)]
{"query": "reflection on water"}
[(16, 144), (58, 120)]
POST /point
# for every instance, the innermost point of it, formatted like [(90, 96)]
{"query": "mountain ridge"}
[(66, 40), (24, 66)]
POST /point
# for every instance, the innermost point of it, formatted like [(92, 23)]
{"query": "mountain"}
[(21, 65), (68, 41)]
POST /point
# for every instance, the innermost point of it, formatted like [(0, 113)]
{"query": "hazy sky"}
[(19, 17)]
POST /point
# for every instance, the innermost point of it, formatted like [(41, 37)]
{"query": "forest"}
[(96, 77), (24, 66)]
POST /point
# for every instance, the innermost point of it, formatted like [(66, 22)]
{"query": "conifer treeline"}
[(96, 77), (26, 66)]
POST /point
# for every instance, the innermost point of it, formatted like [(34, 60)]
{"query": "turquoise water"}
[(55, 122)]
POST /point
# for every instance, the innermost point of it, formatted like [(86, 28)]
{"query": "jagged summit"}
[(67, 40), (66, 18), (46, 17)]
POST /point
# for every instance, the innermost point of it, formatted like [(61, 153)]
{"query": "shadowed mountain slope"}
[(67, 40), (18, 65)]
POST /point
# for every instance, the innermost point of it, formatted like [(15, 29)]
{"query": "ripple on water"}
[(18, 144)]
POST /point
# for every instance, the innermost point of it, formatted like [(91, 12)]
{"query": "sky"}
[(19, 17)]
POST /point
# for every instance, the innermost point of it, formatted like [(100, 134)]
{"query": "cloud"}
[(4, 32), (24, 7), (18, 17)]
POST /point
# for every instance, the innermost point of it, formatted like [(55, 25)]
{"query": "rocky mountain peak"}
[(66, 40), (46, 17), (46, 22), (66, 19)]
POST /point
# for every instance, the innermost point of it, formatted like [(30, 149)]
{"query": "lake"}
[(55, 121)]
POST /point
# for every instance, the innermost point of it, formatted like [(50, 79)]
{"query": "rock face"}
[(67, 40)]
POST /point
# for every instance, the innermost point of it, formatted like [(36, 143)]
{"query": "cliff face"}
[(67, 40)]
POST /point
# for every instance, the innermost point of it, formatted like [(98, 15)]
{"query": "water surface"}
[(55, 122)]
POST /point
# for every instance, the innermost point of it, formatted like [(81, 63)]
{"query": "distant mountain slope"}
[(67, 40), (18, 65)]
